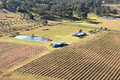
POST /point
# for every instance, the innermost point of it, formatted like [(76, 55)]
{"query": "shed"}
[(58, 44), (79, 34)]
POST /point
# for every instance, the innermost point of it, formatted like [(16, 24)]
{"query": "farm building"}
[(58, 44), (79, 34)]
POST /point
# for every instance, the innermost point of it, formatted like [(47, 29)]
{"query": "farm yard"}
[(55, 31), (84, 61), (95, 56)]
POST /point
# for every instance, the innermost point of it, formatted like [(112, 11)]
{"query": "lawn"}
[(57, 33)]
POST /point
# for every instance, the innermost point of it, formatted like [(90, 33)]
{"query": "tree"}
[(114, 11), (106, 29), (44, 22), (56, 8), (32, 35), (4, 2), (80, 30), (82, 11)]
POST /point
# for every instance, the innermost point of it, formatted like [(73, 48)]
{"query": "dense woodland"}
[(50, 9)]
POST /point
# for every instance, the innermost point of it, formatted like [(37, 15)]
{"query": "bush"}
[(44, 22), (1, 35)]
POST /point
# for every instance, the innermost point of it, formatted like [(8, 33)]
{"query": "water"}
[(30, 38), (106, 17)]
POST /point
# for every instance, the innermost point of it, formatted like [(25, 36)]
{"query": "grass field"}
[(56, 32)]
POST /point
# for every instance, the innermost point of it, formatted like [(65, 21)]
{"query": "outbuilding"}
[(79, 34), (58, 44)]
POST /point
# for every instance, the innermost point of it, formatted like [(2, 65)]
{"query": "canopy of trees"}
[(56, 8)]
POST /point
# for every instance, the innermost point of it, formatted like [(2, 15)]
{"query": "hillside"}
[(59, 40), (52, 9)]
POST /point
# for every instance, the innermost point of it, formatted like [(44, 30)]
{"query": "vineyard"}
[(12, 25), (97, 59), (13, 22), (110, 24), (2, 15), (12, 54)]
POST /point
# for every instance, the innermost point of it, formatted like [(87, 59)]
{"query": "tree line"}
[(49, 9)]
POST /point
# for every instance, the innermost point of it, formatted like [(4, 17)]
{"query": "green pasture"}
[(57, 33)]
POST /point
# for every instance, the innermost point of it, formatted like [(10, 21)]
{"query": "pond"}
[(107, 17), (30, 38)]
